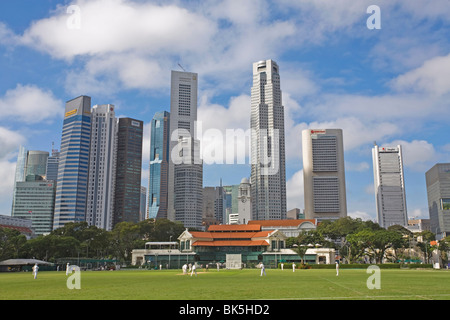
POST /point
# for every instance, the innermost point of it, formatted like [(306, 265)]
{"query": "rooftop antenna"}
[(181, 67)]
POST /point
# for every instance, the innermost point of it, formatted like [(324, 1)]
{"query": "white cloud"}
[(295, 191), (133, 42), (361, 215), (432, 77), (120, 26), (216, 121), (418, 213), (9, 142), (30, 104), (369, 189), (419, 155), (358, 167)]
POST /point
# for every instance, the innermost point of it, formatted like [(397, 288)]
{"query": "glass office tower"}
[(71, 191), (128, 170), (159, 166)]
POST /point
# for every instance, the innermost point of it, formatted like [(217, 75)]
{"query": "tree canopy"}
[(80, 239)]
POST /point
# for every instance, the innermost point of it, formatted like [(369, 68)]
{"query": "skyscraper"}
[(35, 200), (185, 189), (438, 191), (34, 197), (128, 172), (214, 205), (324, 174), (52, 166), (102, 167), (21, 164), (389, 186), (36, 163), (159, 166), (71, 191), (268, 172)]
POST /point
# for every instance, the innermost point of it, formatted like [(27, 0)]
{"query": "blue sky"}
[(390, 85)]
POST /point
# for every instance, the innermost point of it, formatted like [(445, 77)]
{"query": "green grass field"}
[(228, 285)]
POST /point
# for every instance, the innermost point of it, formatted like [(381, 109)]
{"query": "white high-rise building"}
[(244, 202), (389, 186), (324, 174), (268, 170), (102, 167), (185, 185)]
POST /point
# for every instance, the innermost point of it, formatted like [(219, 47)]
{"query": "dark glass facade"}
[(128, 171)]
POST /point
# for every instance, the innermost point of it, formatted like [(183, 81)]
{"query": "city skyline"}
[(388, 85)]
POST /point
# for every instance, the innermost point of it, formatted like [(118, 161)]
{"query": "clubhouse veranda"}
[(234, 246)]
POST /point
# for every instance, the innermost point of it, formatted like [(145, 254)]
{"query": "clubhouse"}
[(234, 246)]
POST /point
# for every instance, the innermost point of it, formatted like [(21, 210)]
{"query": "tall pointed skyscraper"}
[(185, 187), (268, 173), (71, 191)]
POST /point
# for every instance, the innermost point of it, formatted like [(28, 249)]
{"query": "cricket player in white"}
[(263, 269), (35, 270), (194, 269)]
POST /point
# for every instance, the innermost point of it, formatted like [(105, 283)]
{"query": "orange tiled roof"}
[(200, 234), (234, 227), (230, 243), (284, 223), (263, 233)]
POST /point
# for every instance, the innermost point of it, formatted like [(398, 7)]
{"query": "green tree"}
[(165, 230), (444, 248), (384, 239), (425, 245), (357, 243), (52, 247), (340, 231), (300, 249), (11, 243), (124, 238)]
